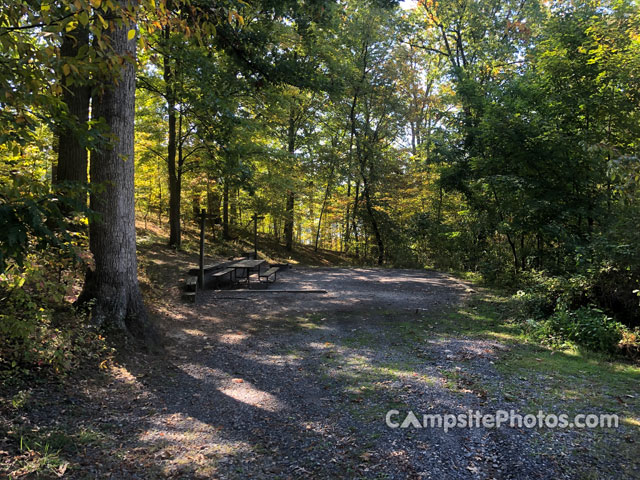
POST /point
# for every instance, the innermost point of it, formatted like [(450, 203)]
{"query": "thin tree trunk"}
[(114, 283), (225, 210), (413, 137), (374, 222), (324, 206), (72, 154), (352, 135), (288, 221), (354, 224), (514, 252), (512, 244), (345, 239), (291, 196), (234, 219), (174, 181)]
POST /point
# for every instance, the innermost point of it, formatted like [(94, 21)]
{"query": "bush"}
[(630, 343), (541, 295), (587, 327), (39, 330)]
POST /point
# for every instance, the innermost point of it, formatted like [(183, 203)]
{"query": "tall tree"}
[(72, 151), (114, 282)]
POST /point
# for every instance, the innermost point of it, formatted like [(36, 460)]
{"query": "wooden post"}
[(255, 236), (203, 216)]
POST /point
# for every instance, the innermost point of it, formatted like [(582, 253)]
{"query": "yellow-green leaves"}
[(131, 34), (235, 15), (83, 18), (104, 23)]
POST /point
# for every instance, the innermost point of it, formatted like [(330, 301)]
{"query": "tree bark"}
[(225, 210), (374, 222), (354, 217), (114, 283), (291, 196), (72, 154), (174, 180), (288, 221)]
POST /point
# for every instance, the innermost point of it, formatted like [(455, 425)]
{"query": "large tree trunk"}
[(72, 154), (114, 283), (174, 180)]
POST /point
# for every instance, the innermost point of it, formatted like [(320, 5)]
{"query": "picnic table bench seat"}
[(212, 275), (271, 272), (208, 268), (191, 288), (191, 284), (217, 276), (223, 272)]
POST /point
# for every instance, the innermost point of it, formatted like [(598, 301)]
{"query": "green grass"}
[(573, 382), (532, 377), (535, 377), (43, 452)]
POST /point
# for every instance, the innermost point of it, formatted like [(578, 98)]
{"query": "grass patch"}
[(573, 382), (44, 452)]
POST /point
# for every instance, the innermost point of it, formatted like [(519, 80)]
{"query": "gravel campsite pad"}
[(297, 385)]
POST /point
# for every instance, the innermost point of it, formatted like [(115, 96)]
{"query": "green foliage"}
[(42, 255), (32, 220), (38, 328), (587, 327)]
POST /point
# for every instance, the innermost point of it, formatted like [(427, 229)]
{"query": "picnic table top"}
[(247, 263)]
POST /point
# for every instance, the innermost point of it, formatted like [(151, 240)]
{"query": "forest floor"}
[(280, 385)]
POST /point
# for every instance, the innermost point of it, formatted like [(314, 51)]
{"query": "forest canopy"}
[(498, 137)]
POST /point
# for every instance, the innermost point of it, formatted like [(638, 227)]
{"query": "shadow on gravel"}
[(286, 398)]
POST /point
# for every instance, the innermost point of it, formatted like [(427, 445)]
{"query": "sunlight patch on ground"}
[(232, 338), (177, 441), (248, 394), (121, 374), (194, 332), (175, 427), (202, 372)]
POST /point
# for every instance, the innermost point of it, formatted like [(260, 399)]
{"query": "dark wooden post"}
[(203, 216), (255, 236)]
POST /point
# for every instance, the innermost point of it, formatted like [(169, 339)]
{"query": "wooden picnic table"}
[(249, 266)]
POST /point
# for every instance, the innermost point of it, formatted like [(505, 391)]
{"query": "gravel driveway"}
[(297, 385), (291, 385)]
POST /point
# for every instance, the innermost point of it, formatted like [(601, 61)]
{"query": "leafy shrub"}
[(630, 343), (38, 328), (540, 294), (587, 327), (532, 304)]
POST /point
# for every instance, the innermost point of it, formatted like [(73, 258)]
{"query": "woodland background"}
[(497, 139)]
